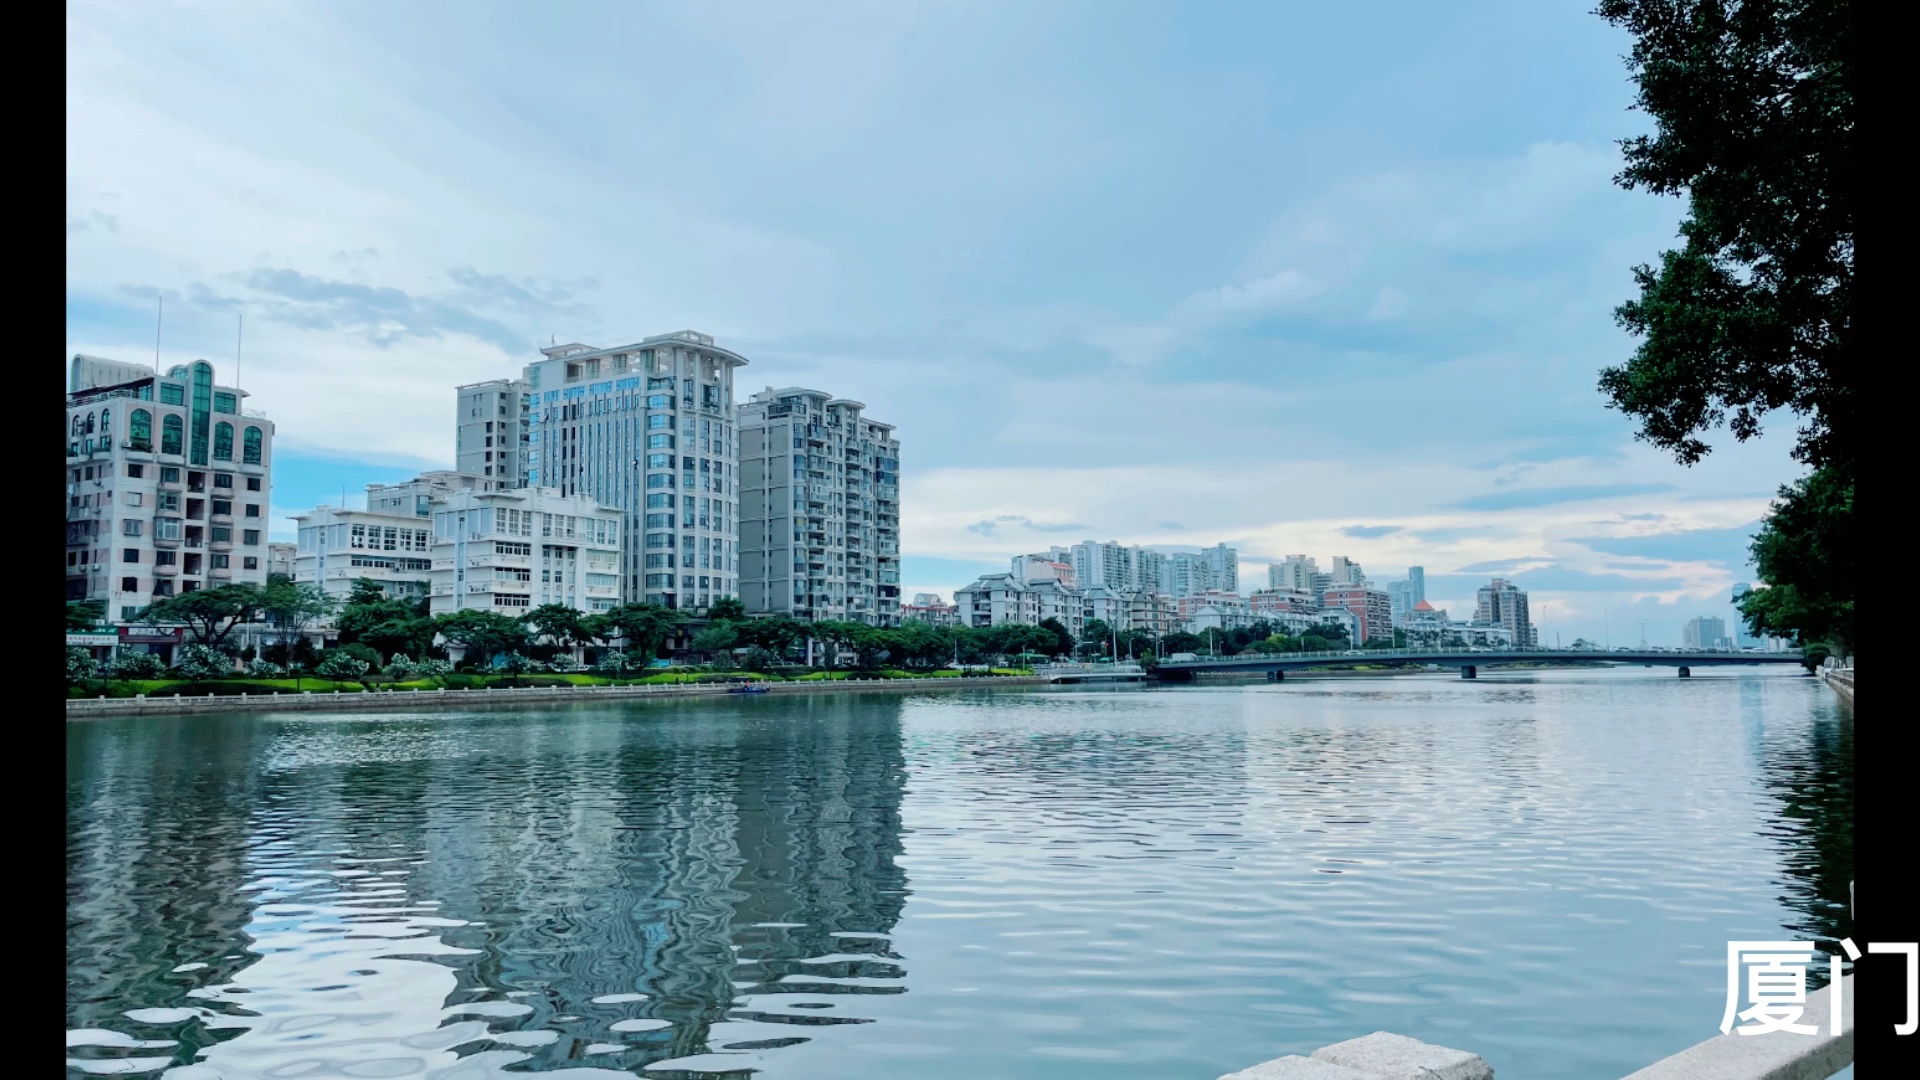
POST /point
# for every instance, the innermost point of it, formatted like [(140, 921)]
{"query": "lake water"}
[(1166, 882)]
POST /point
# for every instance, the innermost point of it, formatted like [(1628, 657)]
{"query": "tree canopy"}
[(1752, 113), (208, 614)]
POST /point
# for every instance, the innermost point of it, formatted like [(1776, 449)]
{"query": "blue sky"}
[(1302, 278)]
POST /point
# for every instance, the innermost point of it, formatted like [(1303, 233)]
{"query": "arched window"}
[(173, 432), (140, 429), (106, 421), (77, 423), (250, 447), (89, 430), (223, 441)]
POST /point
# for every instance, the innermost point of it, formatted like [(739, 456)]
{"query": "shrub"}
[(81, 666), (338, 665), (138, 665), (563, 663), (266, 669), (360, 651), (197, 662), (616, 663)]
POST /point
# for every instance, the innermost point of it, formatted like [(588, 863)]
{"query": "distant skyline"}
[(1293, 278)]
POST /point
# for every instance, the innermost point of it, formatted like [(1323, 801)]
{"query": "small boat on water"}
[(747, 688)]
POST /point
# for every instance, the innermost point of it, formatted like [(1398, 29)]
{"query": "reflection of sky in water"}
[(1164, 883)]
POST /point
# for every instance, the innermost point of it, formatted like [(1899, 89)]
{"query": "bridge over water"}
[(1469, 661)]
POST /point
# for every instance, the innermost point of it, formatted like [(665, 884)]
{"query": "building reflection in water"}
[(685, 883)]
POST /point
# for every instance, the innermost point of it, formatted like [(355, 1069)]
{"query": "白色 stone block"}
[(1397, 1057)]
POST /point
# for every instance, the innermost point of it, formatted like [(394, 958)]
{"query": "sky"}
[(1300, 278)]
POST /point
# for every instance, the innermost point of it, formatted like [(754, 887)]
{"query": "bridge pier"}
[(1686, 673), (1276, 676), (1467, 672)]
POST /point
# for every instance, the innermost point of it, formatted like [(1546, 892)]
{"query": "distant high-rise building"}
[(1223, 563), (168, 484), (490, 430), (1407, 594), (1294, 572), (1046, 566), (1705, 632), (819, 509), (1503, 604), (1109, 564), (1741, 638), (648, 428), (1347, 572)]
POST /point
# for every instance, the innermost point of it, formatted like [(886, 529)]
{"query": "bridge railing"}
[(1466, 655)]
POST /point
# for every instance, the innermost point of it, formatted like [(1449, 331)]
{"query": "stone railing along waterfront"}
[(1841, 679), (1775, 1055), (364, 701)]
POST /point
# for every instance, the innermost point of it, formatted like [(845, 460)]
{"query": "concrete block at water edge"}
[(1396, 1057), (1295, 1067), (1776, 1055)]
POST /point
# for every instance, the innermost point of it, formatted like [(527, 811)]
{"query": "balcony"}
[(220, 545), (168, 542), (220, 573), (166, 570), (169, 485), (220, 519)]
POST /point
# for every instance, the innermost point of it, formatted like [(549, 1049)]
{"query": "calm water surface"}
[(1143, 882)]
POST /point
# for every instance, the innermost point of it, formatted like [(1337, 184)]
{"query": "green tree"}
[(1096, 636), (85, 614), (1752, 112), (728, 608), (483, 634), (138, 665), (386, 624), (291, 608), (775, 633), (644, 627), (197, 663), (715, 637), (341, 667), (1060, 640), (515, 664), (559, 624), (208, 614)]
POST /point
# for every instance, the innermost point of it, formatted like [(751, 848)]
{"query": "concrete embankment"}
[(1841, 679), (90, 708)]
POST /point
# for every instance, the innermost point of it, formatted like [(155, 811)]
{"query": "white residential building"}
[(1187, 573), (929, 608), (1110, 564), (819, 509), (649, 428), (1295, 572), (1406, 594), (280, 559), (168, 484), (388, 540), (511, 550), (1503, 604), (1045, 566), (490, 430), (1705, 632), (1347, 572)]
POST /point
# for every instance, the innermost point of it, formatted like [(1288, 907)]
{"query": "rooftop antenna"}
[(239, 333), (158, 315)]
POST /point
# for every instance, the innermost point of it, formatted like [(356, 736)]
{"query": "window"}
[(219, 561), (250, 563), (165, 529), (223, 506), (165, 558), (173, 431), (250, 450), (253, 510), (659, 521), (222, 534), (660, 480), (659, 581), (659, 461), (135, 498), (253, 483), (162, 587), (659, 420), (140, 430), (250, 537), (130, 527), (131, 555), (659, 442), (223, 480), (225, 403), (659, 502), (657, 561), (223, 441), (129, 584), (169, 474), (173, 394)]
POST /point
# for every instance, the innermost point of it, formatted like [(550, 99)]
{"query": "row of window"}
[(173, 435)]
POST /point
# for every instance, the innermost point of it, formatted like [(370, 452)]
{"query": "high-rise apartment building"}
[(490, 430), (168, 482), (1347, 572), (1295, 573), (1110, 564), (1407, 594), (1501, 603), (1705, 632), (1369, 606), (820, 509), (1223, 567), (649, 428)]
